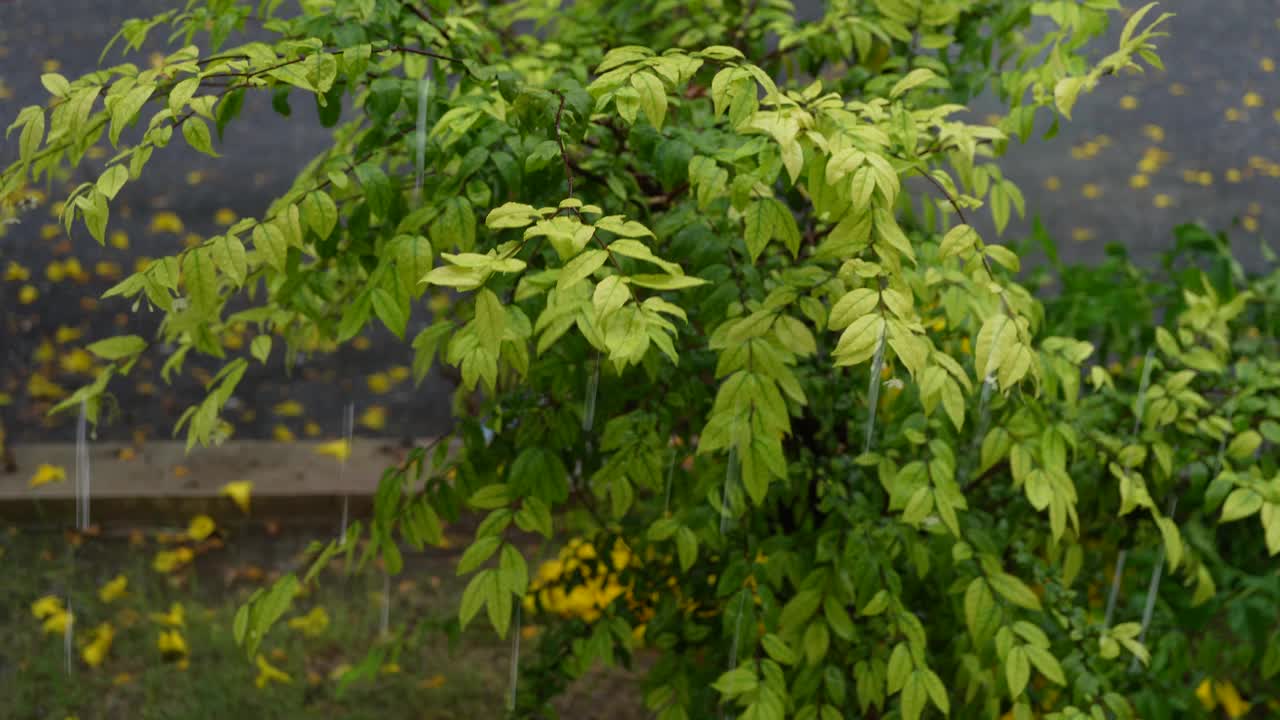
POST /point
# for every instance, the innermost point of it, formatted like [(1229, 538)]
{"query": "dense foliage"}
[(830, 457)]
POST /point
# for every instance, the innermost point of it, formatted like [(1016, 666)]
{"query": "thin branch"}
[(1004, 304), (564, 155), (427, 19)]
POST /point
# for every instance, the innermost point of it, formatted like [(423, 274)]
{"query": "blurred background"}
[(1143, 154)]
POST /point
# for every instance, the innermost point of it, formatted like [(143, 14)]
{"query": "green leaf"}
[(196, 131), (580, 268), (229, 256), (1244, 445), (799, 609), (412, 255), (320, 214), (666, 282), (479, 552), (1241, 503), (201, 280), (914, 696), (392, 312), (491, 497), (1046, 663), (779, 650), (56, 84), (768, 219), (111, 180), (686, 548), (181, 94), (1017, 670), (738, 681), (260, 348), (995, 343), (913, 79), (377, 188), (270, 243), (475, 595), (653, 97), (816, 641), (1015, 591), (118, 348)]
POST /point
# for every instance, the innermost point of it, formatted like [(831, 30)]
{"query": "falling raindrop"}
[(420, 137), (385, 626), (1153, 589), (348, 430), (593, 386), (733, 644), (1115, 588), (873, 392), (67, 634), (671, 472), (515, 659), (1142, 391), (82, 468), (731, 470)]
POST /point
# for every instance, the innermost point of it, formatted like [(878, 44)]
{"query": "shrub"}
[(720, 310)]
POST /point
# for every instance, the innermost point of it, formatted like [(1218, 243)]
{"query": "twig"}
[(564, 155), (427, 19)]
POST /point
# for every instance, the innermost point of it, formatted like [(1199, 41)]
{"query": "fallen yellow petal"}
[(288, 408), (339, 449), (239, 492), (375, 418), (46, 474), (166, 221)]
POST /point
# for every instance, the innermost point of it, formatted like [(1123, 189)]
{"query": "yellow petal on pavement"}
[(46, 474), (239, 492), (339, 449)]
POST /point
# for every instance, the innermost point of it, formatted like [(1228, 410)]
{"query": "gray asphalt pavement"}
[(1143, 154)]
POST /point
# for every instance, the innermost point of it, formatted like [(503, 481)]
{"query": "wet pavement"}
[(1144, 153)]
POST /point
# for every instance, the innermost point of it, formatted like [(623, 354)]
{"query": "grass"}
[(134, 681)]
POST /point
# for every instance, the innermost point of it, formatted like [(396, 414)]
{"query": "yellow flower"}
[(201, 527), (225, 216), (46, 474), (433, 682), (311, 429), (335, 448), (167, 561), (267, 674), (239, 492), (390, 669), (1091, 191), (313, 624), (47, 606), (119, 240), (1267, 64), (172, 645), (114, 589), (1230, 698), (375, 418), (1129, 102), (548, 572), (174, 618), (123, 678), (1139, 181), (28, 294), (282, 434), (1162, 200), (57, 623), (96, 651), (587, 551), (1204, 693), (621, 555), (1252, 99), (1234, 176)]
